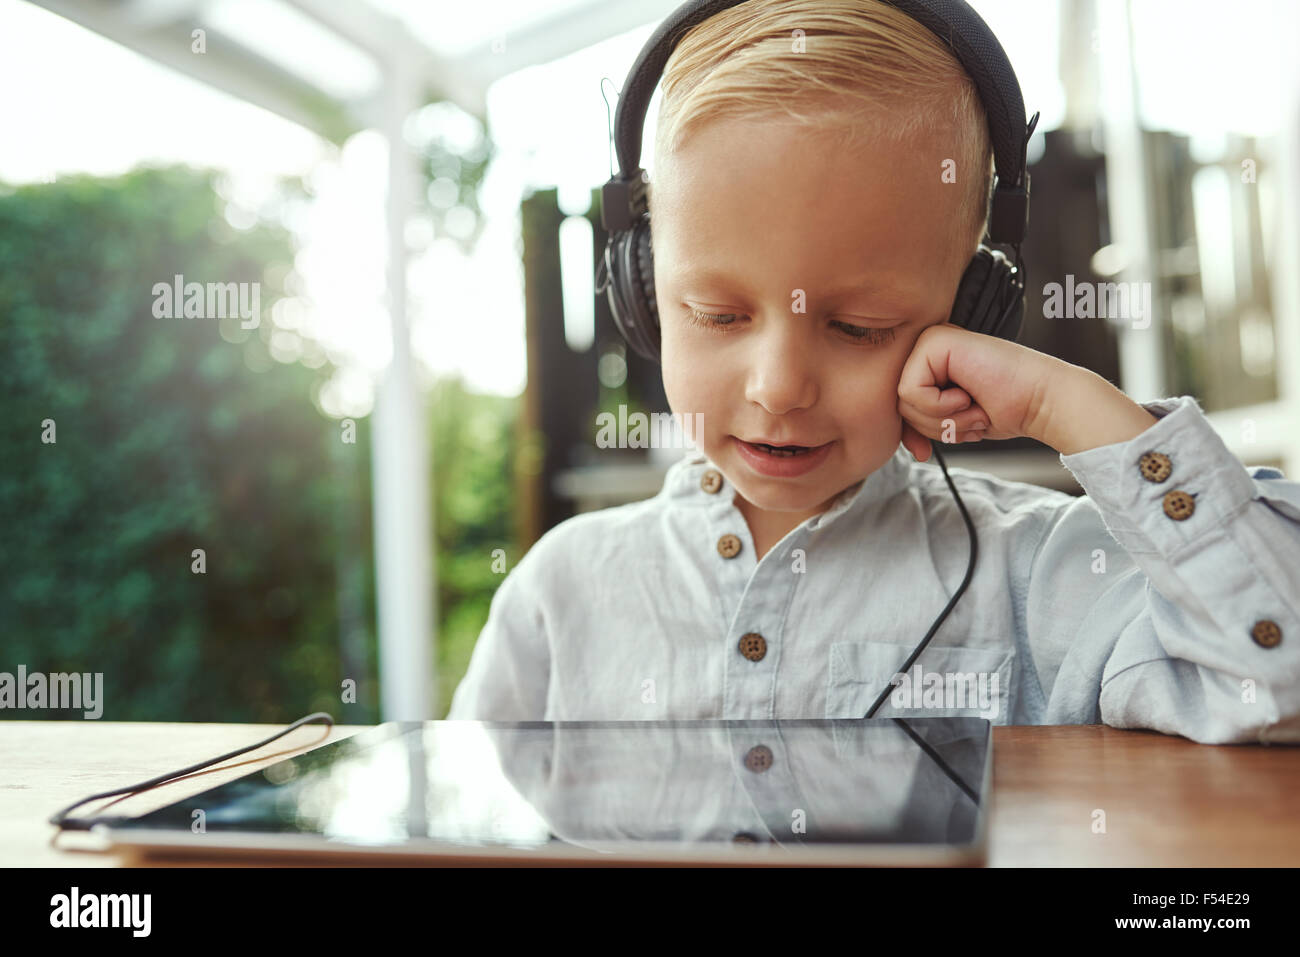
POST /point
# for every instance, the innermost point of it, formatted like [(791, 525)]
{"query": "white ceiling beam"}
[(381, 36), (148, 14), (226, 65), (558, 36), (160, 30)]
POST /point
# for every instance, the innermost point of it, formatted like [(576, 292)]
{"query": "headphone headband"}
[(623, 199)]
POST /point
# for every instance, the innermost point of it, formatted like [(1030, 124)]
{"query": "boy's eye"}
[(709, 319), (724, 321), (866, 333)]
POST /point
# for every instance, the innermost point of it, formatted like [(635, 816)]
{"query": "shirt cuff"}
[(1167, 486)]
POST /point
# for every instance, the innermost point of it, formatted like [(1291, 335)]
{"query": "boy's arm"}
[(1194, 622), (509, 671)]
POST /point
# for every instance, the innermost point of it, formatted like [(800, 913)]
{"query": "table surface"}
[(1167, 801)]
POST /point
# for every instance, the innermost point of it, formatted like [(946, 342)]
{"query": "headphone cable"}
[(65, 823), (970, 570)]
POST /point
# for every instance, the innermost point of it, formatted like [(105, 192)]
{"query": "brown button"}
[(1179, 505), (1266, 633), (753, 646), (759, 758), (1155, 466), (744, 837), (711, 481), (729, 546)]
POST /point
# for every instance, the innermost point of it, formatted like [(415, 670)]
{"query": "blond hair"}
[(820, 62)]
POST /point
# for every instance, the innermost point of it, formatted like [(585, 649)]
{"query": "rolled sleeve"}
[(1214, 653)]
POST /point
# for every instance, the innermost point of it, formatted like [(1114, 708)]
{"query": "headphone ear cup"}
[(630, 265), (990, 297), (645, 270)]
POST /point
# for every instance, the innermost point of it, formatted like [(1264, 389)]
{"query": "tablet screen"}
[(601, 784)]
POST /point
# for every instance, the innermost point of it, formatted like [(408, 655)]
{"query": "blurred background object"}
[(249, 521)]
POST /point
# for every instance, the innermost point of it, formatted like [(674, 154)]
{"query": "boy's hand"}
[(963, 380)]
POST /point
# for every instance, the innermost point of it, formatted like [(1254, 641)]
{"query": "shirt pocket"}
[(951, 682)]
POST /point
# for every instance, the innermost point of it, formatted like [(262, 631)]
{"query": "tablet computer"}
[(883, 791)]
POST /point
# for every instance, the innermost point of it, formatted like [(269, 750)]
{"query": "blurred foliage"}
[(170, 437), (473, 466), (473, 449), (455, 150), (182, 434)]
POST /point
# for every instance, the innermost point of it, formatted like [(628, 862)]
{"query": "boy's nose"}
[(782, 373)]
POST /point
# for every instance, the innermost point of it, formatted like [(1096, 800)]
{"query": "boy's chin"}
[(768, 496)]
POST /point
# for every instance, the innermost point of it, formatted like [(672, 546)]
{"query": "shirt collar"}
[(685, 483)]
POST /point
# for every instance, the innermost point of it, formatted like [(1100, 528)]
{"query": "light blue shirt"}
[(1103, 608)]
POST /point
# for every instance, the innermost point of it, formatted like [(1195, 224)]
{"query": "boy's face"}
[(759, 220)]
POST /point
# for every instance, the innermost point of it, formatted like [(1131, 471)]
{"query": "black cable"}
[(970, 570), (944, 766), (63, 822), (609, 117)]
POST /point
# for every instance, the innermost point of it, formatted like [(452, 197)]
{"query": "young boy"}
[(806, 255)]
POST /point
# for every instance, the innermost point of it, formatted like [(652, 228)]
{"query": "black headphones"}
[(990, 297)]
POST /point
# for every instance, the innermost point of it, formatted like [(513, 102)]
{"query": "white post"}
[(402, 494), (1285, 278), (1141, 352)]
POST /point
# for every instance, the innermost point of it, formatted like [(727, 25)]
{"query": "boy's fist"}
[(959, 386)]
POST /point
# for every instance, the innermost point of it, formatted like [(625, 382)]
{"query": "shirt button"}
[(1179, 505), (711, 481), (729, 546), (1155, 466), (759, 758), (753, 646), (1266, 633)]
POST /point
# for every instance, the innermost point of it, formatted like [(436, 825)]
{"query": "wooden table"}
[(1167, 801)]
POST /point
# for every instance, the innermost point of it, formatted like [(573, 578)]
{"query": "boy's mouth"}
[(783, 461), (781, 451)]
